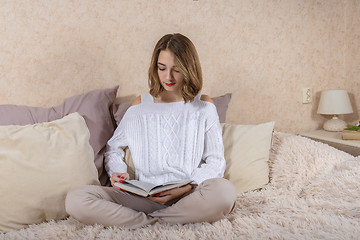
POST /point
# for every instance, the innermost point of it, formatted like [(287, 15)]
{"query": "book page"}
[(142, 185), (131, 188), (145, 189), (168, 186)]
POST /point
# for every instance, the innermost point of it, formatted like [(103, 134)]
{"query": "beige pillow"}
[(39, 164), (247, 150)]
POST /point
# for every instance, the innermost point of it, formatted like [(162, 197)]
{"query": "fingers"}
[(118, 188), (162, 199), (124, 176), (118, 177), (175, 191)]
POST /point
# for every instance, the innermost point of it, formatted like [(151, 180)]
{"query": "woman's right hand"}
[(118, 177)]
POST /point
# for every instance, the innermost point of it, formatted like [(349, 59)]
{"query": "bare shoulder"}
[(136, 101), (206, 98)]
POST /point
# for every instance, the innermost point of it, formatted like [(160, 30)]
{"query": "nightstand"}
[(335, 140)]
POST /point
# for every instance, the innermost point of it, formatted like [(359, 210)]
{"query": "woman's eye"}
[(177, 71), (161, 69)]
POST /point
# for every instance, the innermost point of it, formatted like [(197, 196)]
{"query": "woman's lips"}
[(170, 84)]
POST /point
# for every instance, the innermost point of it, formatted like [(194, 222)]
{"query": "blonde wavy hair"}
[(187, 61)]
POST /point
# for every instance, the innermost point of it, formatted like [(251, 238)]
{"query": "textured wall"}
[(264, 52), (352, 55)]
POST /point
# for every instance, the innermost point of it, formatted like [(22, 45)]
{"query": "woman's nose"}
[(168, 75)]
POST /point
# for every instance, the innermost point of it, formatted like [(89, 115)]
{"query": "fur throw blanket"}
[(313, 194)]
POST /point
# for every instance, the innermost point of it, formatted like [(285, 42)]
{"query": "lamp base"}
[(334, 125)]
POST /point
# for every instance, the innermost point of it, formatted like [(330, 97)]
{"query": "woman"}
[(173, 134)]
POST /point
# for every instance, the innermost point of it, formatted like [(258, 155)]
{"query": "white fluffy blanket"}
[(313, 194)]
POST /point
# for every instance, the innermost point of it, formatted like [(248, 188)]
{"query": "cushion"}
[(39, 164), (221, 104), (247, 150), (94, 106), (119, 110)]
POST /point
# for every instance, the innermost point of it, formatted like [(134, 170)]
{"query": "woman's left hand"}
[(164, 197)]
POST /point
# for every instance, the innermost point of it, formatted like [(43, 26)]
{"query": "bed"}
[(289, 187)]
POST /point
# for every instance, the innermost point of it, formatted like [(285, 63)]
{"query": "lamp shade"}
[(334, 102)]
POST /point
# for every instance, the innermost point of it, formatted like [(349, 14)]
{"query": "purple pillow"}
[(221, 104), (94, 106)]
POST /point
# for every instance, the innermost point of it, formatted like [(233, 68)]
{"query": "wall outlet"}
[(307, 95)]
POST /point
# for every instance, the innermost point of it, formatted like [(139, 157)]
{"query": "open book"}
[(147, 189)]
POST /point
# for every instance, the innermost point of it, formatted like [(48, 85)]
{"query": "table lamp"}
[(334, 102)]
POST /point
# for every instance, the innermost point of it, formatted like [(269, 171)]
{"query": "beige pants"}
[(209, 202)]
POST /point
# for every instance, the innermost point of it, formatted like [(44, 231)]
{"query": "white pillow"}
[(247, 149), (39, 164)]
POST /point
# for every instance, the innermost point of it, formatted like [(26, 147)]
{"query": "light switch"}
[(306, 95)]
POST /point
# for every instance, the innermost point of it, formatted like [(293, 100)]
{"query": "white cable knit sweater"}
[(169, 141)]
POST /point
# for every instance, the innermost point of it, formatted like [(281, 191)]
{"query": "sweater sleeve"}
[(213, 156), (114, 155)]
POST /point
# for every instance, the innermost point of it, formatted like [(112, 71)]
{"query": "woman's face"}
[(169, 75)]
